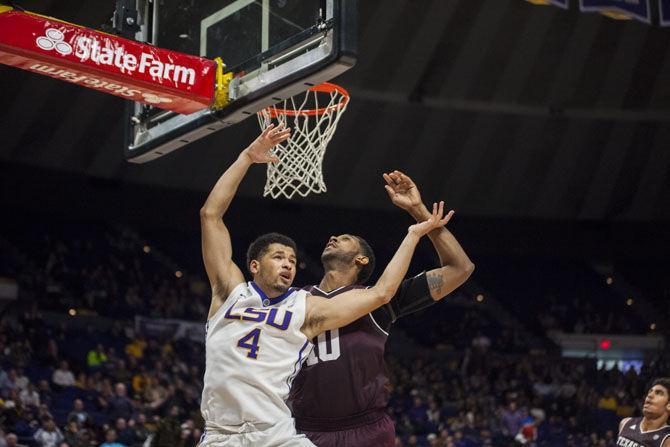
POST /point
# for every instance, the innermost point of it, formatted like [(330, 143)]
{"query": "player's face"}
[(276, 269), (343, 247), (656, 403)]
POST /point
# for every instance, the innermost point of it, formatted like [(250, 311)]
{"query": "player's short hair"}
[(260, 246), (365, 270), (663, 381)]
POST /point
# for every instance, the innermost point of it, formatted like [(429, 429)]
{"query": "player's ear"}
[(361, 260), (253, 266)]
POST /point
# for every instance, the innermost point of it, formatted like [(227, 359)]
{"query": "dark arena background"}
[(546, 129)]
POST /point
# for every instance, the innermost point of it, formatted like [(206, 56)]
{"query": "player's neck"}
[(653, 424), (334, 279)]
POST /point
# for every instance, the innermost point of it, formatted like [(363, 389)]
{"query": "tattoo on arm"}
[(435, 282)]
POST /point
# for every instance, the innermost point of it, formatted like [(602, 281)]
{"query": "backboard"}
[(275, 48)]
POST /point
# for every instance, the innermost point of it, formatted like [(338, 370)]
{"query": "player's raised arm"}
[(217, 251), (456, 266), (324, 314)]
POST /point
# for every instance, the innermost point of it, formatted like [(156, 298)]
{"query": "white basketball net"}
[(299, 169)]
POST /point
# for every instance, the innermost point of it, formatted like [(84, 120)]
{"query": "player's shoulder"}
[(315, 290)]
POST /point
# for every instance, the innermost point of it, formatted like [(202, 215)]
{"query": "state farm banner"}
[(169, 328), (111, 64), (637, 9), (664, 8)]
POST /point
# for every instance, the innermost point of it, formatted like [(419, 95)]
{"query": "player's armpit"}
[(445, 280)]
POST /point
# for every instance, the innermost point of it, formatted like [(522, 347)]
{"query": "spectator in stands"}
[(608, 401), (48, 435), (8, 381), (78, 415), (120, 406), (20, 380), (169, 430), (46, 395), (96, 357), (136, 347), (124, 434), (13, 441), (29, 396), (511, 420), (63, 376), (71, 435), (140, 429), (110, 439)]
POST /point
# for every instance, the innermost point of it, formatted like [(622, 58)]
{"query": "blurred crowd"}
[(483, 398), (469, 381)]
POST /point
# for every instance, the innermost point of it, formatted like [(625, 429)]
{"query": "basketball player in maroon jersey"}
[(652, 429), (340, 396)]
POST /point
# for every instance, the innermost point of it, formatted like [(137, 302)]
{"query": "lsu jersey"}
[(254, 349)]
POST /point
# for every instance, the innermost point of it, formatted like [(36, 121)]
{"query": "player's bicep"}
[(217, 253), (444, 280), (325, 314)]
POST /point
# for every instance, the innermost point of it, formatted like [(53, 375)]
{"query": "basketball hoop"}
[(300, 166)]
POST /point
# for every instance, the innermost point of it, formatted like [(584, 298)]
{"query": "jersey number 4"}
[(326, 347), (250, 343)]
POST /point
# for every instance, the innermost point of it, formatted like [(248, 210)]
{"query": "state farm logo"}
[(53, 40)]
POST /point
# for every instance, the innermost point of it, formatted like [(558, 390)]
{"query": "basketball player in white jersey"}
[(259, 332), (652, 429)]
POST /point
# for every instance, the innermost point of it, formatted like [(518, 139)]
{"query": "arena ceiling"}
[(500, 107)]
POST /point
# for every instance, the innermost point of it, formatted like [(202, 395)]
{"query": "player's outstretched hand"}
[(401, 190), (259, 150), (436, 220)]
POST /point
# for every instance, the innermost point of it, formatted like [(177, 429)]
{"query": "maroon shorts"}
[(380, 433)]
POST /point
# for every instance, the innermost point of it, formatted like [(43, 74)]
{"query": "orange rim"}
[(326, 87)]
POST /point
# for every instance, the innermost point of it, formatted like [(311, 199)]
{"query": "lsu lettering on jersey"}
[(254, 349), (631, 435)]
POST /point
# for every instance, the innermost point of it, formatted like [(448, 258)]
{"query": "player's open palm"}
[(259, 150), (437, 219), (401, 190)]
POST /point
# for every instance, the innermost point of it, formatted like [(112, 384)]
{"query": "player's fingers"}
[(447, 218), (274, 159), (267, 130), (440, 210), (282, 136), (389, 191)]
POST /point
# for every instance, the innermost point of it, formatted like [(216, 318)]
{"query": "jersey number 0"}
[(326, 347)]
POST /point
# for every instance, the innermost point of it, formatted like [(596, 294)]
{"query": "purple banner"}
[(637, 9), (664, 8)]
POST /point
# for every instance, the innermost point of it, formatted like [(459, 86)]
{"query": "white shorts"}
[(282, 434)]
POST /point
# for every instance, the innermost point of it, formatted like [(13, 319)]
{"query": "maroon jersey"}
[(343, 383), (631, 435)]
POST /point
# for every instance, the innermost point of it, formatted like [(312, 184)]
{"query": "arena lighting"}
[(147, 249), (178, 274), (630, 301), (652, 326), (480, 298), (609, 280), (605, 344), (72, 312)]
